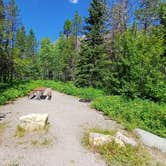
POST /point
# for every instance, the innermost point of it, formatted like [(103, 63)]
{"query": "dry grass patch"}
[(13, 163), (2, 127), (117, 155), (43, 142), (20, 132)]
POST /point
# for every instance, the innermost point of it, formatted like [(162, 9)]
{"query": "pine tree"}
[(20, 44), (11, 26), (31, 53), (31, 45), (90, 64), (67, 28), (77, 27), (2, 57), (2, 17)]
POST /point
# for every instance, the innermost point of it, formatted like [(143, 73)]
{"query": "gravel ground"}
[(61, 145)]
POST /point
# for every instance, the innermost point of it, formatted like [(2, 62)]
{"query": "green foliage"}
[(134, 113), (22, 89), (67, 28), (136, 69), (77, 24), (128, 156), (15, 91), (105, 132), (70, 89), (2, 15), (46, 58), (57, 60), (31, 70), (67, 54), (90, 68), (17, 50)]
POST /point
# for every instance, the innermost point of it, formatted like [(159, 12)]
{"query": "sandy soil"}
[(68, 120)]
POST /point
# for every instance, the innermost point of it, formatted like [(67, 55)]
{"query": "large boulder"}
[(125, 139), (33, 122)]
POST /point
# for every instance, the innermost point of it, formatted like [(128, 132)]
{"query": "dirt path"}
[(61, 146)]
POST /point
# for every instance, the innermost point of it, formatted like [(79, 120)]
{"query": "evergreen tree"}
[(2, 17), (20, 43), (31, 54), (11, 26), (21, 62), (46, 59), (90, 64), (31, 45), (2, 56), (67, 28), (67, 53), (77, 27), (162, 16)]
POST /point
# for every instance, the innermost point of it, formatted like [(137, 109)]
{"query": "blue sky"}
[(46, 17)]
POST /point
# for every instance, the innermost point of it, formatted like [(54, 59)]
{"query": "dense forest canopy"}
[(118, 47)]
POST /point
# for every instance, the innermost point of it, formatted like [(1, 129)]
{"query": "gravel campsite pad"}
[(61, 144)]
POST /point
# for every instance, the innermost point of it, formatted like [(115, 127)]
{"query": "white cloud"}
[(74, 1)]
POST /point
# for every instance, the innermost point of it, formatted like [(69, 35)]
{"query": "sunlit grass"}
[(2, 127), (20, 132), (116, 155), (42, 142)]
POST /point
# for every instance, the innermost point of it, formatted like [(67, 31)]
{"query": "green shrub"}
[(136, 69), (70, 89), (134, 113), (17, 90)]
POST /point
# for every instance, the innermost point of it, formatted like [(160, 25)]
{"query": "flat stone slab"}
[(33, 122), (151, 140)]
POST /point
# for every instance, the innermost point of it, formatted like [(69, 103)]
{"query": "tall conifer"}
[(90, 63)]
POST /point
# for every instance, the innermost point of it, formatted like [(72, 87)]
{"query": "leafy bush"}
[(134, 113), (70, 89), (137, 68), (17, 90)]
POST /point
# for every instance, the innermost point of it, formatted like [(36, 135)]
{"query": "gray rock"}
[(151, 140), (125, 139), (33, 122)]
